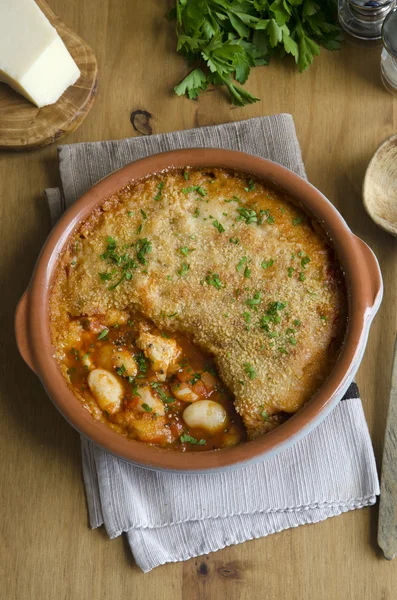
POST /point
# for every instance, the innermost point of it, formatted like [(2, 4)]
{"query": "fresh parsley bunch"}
[(223, 39)]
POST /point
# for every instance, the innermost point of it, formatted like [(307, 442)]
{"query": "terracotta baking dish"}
[(364, 284)]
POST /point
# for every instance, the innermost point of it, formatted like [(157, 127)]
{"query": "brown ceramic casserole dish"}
[(363, 281)]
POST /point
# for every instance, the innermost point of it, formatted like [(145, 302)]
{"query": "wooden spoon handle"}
[(387, 529)]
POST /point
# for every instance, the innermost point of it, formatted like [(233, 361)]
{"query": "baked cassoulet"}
[(196, 309)]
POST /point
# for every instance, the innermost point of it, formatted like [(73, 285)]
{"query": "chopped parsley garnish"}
[(297, 221), (163, 396), (86, 355), (144, 215), (250, 187), (267, 263), (105, 276), (186, 175), (103, 334), (188, 439), (139, 229), (219, 226), (121, 370), (305, 260), (247, 272), (143, 247), (184, 269), (297, 322), (185, 250), (130, 213), (282, 350), (196, 377), (290, 271), (302, 276), (234, 199), (234, 241), (292, 341), (265, 415), (323, 317), (290, 330), (213, 279), (253, 302), (141, 362), (247, 317), (265, 213), (75, 353), (196, 213), (248, 215), (135, 388), (195, 188), (121, 260), (146, 407), (249, 370), (241, 264), (271, 315), (160, 190)]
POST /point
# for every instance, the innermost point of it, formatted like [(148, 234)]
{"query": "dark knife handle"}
[(387, 529)]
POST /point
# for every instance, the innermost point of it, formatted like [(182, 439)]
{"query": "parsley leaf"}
[(143, 247), (186, 438), (184, 269), (213, 279), (219, 226), (249, 370), (224, 39)]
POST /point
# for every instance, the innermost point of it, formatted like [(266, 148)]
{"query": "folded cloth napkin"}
[(170, 517)]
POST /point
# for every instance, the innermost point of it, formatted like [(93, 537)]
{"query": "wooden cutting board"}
[(23, 126)]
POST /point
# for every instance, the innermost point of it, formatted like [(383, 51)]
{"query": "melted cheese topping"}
[(227, 261)]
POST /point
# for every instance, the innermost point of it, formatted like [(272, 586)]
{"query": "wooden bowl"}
[(364, 283), (380, 186)]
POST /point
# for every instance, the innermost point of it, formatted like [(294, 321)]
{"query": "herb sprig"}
[(225, 38)]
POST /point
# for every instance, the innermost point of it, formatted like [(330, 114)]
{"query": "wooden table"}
[(47, 551)]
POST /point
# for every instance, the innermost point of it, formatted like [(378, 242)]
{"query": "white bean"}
[(205, 414), (106, 389), (150, 401)]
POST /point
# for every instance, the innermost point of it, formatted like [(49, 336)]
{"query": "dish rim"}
[(364, 285)]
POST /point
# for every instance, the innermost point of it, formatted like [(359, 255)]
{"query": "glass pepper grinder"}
[(363, 19), (388, 62)]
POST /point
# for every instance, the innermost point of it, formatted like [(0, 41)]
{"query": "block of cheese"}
[(33, 58)]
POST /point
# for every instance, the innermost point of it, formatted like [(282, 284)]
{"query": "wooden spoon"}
[(380, 186)]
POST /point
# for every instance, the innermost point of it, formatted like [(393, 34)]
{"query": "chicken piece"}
[(162, 352), (147, 427)]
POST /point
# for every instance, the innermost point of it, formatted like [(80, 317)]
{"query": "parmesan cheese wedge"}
[(34, 61)]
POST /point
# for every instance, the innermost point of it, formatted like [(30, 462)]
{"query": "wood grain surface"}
[(23, 126), (342, 113)]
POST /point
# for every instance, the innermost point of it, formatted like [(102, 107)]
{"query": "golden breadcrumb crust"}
[(232, 263)]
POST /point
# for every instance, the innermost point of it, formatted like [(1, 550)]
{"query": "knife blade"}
[(387, 527)]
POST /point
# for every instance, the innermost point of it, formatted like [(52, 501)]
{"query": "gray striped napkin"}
[(170, 517)]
